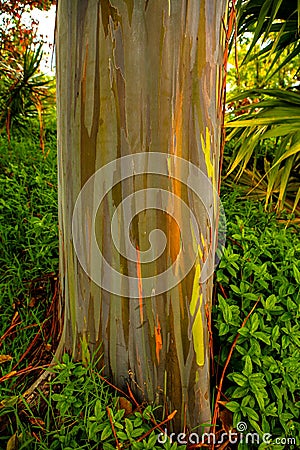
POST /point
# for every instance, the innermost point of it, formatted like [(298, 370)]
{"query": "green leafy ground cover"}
[(261, 265), (77, 407)]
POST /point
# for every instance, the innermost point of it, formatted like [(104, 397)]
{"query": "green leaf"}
[(271, 301), (223, 329), (258, 379), (235, 288), (260, 399), (237, 417), (271, 410), (248, 366), (261, 20), (241, 350), (137, 445), (128, 426), (122, 435), (58, 397), (9, 401), (107, 446), (106, 433), (254, 322), (238, 378), (225, 308), (137, 422), (119, 414), (244, 331), (93, 428), (255, 426), (246, 400), (137, 432), (65, 358), (290, 152), (249, 412), (240, 392), (296, 273), (152, 440), (262, 337), (98, 410), (285, 342), (250, 296), (233, 406)]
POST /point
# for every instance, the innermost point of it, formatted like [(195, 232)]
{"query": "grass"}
[(76, 407), (28, 239)]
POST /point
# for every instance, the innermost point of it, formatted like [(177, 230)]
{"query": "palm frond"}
[(275, 117)]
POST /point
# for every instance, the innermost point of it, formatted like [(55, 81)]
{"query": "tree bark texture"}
[(136, 76)]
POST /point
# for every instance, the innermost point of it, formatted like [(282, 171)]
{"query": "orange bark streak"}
[(158, 339), (140, 286)]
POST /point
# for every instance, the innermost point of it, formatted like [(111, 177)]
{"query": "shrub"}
[(261, 264)]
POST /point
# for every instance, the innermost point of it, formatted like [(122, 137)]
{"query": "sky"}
[(46, 27)]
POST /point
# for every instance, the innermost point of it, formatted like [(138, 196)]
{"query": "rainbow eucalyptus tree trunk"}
[(139, 120)]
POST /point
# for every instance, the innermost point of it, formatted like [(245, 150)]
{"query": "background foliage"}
[(267, 109), (24, 91)]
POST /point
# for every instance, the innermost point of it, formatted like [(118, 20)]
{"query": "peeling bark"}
[(136, 76)]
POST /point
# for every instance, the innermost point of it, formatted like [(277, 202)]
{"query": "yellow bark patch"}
[(209, 162), (206, 150), (197, 326)]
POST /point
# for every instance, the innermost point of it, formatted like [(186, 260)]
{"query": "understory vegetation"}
[(258, 280), (255, 327)]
